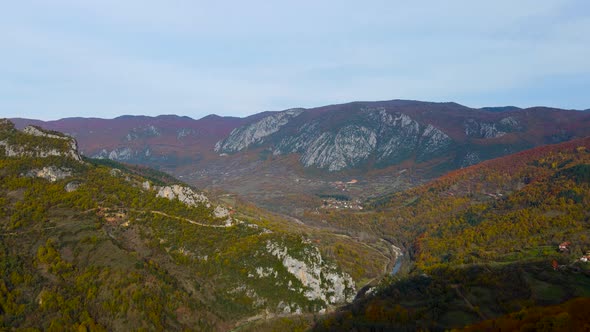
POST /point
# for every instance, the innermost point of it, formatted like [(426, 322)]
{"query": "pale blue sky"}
[(64, 58)]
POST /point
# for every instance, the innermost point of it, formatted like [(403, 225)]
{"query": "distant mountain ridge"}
[(501, 109), (333, 137), (476, 243), (380, 134), (388, 145)]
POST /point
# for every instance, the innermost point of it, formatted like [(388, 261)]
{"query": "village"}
[(341, 185), (333, 203), (341, 201), (565, 247)]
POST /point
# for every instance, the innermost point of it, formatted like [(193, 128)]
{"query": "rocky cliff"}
[(35, 142), (336, 137), (380, 134), (375, 133), (255, 133)]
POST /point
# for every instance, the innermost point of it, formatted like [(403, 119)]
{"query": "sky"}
[(69, 58)]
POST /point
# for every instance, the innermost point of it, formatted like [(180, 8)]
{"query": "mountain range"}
[(385, 146), (95, 244), (397, 215)]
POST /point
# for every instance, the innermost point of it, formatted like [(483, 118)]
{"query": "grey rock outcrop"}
[(184, 132), (220, 212), (125, 153), (500, 128), (372, 133), (432, 142), (320, 280), (255, 133), (190, 197), (184, 194), (120, 154), (43, 150), (348, 147), (142, 133), (72, 186), (146, 185), (51, 173)]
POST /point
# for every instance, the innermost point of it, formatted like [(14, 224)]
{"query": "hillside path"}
[(190, 221)]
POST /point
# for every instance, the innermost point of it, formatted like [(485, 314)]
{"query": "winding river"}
[(398, 259)]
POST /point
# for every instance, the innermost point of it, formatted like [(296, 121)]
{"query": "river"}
[(397, 266)]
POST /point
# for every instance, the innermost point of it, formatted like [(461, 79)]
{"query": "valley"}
[(277, 166), (288, 160), (360, 216), (124, 235)]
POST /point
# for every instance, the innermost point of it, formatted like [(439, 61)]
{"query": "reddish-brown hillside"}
[(386, 144)]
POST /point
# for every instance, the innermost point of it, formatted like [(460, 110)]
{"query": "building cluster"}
[(341, 185), (565, 247), (340, 204), (585, 258)]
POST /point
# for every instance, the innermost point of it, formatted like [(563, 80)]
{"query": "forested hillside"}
[(89, 245), (484, 242), (285, 161), (98, 245)]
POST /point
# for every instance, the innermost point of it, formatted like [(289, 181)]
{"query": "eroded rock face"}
[(51, 173), (184, 194), (146, 185), (192, 198), (142, 133), (500, 128), (220, 212), (399, 134), (320, 280), (387, 136), (510, 122), (482, 129), (184, 132), (120, 154), (125, 154), (350, 146), (433, 142), (71, 151), (255, 133), (72, 186)]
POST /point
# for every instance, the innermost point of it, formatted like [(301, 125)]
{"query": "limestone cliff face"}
[(255, 133), (348, 147), (318, 279), (51, 173), (37, 143), (184, 194), (125, 154), (142, 133), (432, 142), (482, 129), (188, 196), (375, 133)]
